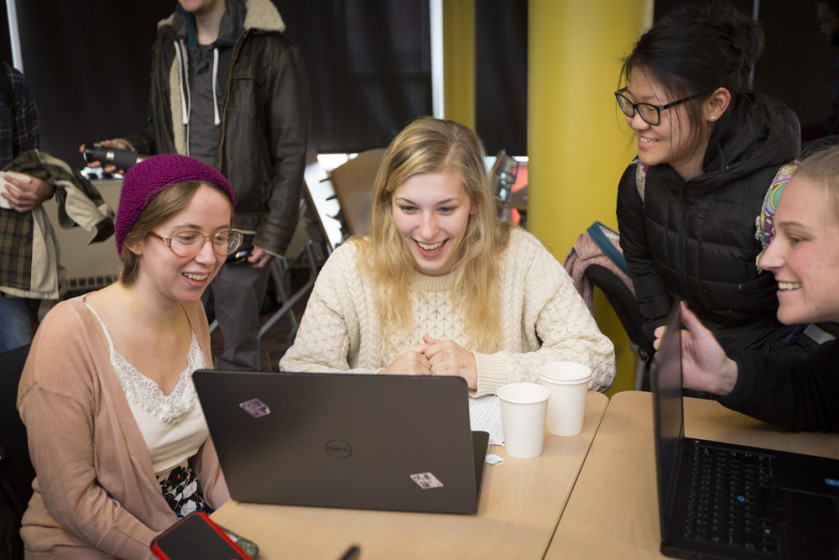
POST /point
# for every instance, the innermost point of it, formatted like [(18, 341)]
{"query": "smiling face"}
[(162, 273), (431, 212), (673, 139), (804, 254)]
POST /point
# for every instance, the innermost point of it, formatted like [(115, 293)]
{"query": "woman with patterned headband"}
[(794, 393)]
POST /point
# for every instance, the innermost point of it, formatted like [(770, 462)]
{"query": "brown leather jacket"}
[(265, 122)]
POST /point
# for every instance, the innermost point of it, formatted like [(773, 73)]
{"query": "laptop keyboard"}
[(731, 500)]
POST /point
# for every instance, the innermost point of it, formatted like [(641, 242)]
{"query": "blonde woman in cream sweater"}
[(440, 285)]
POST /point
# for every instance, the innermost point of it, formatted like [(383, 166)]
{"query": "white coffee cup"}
[(568, 385), (3, 202), (5, 186), (523, 410)]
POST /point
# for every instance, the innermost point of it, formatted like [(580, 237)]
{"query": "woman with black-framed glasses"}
[(117, 436), (708, 149)]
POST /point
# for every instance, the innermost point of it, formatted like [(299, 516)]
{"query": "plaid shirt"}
[(25, 272), (28, 273), (19, 124), (18, 133)]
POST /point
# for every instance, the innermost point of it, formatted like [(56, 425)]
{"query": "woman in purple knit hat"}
[(117, 436)]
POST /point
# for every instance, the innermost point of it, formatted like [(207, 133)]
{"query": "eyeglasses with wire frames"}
[(650, 114), (190, 243)]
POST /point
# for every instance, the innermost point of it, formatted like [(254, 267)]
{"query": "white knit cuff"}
[(492, 374)]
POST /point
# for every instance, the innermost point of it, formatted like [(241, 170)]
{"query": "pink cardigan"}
[(96, 495)]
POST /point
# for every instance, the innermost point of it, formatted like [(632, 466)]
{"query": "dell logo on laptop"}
[(338, 448)]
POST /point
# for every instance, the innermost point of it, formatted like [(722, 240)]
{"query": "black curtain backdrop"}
[(5, 45), (88, 62), (501, 75), (369, 66)]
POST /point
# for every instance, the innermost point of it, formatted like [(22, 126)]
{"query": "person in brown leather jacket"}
[(230, 89)]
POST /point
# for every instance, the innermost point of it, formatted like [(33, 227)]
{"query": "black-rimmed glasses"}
[(190, 243), (651, 114)]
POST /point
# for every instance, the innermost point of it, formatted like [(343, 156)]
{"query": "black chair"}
[(16, 472), (626, 307)]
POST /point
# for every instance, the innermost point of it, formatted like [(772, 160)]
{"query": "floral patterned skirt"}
[(181, 491)]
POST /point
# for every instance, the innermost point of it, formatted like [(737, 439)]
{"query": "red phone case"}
[(196, 536)]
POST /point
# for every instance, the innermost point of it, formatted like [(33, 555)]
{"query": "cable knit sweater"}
[(543, 318)]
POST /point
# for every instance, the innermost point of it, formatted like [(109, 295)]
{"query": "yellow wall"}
[(459, 61), (577, 143)]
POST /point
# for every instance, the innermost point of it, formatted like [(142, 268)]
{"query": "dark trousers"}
[(237, 292)]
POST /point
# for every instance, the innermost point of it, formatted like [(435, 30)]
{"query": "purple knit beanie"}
[(145, 180)]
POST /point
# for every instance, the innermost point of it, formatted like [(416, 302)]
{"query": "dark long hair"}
[(697, 50)]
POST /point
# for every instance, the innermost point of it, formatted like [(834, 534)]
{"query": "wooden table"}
[(613, 510), (521, 503)]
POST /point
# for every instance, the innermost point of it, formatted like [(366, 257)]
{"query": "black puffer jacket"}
[(265, 121), (696, 239)]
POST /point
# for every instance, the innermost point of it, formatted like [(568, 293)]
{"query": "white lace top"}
[(172, 425)]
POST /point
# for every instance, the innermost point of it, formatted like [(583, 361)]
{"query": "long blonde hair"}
[(430, 145)]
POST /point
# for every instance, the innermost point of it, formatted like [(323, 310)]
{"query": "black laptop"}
[(729, 501), (387, 442)]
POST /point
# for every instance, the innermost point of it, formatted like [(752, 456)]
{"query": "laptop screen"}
[(666, 383)]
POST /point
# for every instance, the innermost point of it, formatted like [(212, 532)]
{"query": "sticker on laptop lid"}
[(255, 408), (426, 480)]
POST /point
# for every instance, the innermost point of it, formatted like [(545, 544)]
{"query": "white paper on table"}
[(485, 416)]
